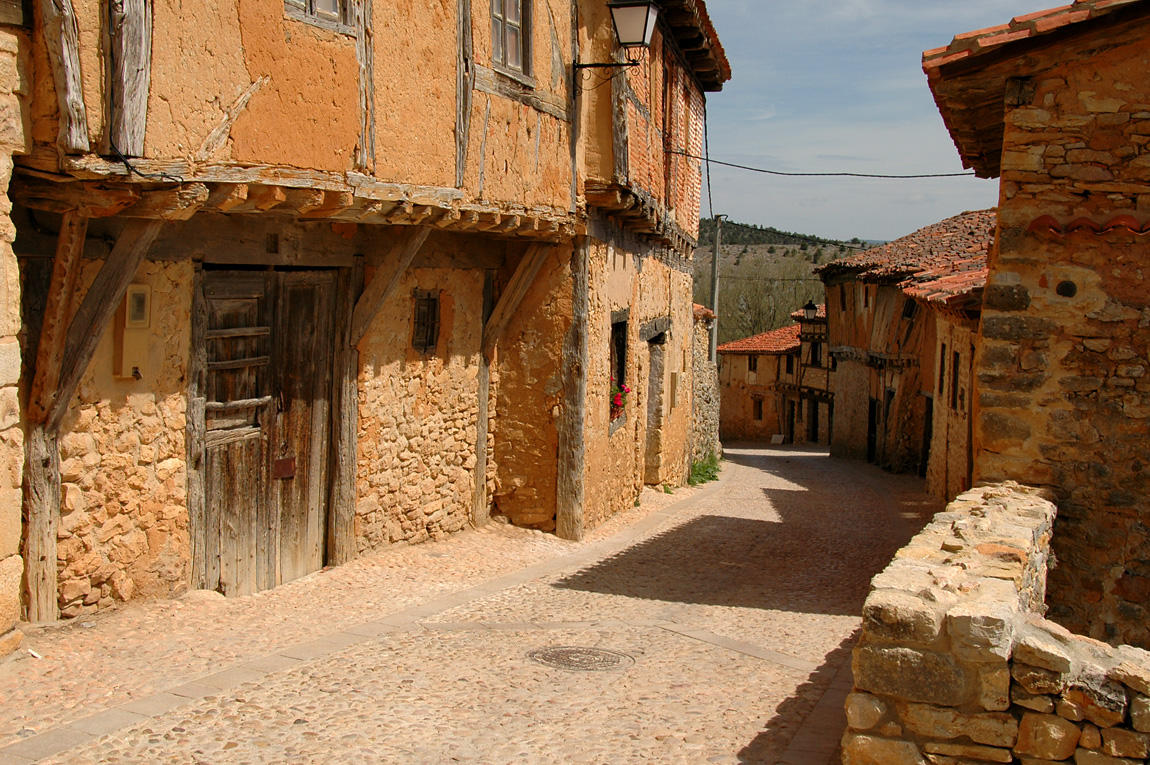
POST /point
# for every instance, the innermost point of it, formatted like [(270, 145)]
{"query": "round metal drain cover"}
[(581, 659)]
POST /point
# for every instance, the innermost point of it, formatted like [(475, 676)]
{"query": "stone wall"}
[(418, 414), (739, 387), (704, 396), (616, 451), (1063, 389), (956, 663), (13, 140), (124, 522)]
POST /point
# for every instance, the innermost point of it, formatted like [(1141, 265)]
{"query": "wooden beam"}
[(334, 202), (12, 12), (227, 196), (180, 203), (570, 481), (464, 88), (62, 37), (341, 546), (521, 281), (365, 57), (97, 308), (195, 433), (219, 135), (95, 200), (130, 49), (480, 508), (386, 280)]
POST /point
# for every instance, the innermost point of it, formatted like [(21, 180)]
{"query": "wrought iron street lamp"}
[(634, 23), (810, 311)]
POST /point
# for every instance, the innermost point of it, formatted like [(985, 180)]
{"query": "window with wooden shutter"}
[(330, 14), (511, 35), (425, 329)]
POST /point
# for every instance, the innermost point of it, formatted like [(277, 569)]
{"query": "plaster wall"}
[(14, 139), (418, 414), (740, 387), (1063, 394)]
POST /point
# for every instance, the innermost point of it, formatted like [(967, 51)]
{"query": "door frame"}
[(339, 542)]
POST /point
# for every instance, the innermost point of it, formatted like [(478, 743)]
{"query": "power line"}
[(820, 175)]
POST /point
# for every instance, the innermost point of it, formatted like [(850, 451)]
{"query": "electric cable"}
[(709, 161)]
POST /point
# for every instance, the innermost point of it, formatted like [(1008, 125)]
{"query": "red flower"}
[(618, 399)]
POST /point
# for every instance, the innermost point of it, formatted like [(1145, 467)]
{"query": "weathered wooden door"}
[(268, 342)]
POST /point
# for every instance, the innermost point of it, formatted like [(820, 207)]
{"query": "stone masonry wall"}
[(704, 396), (948, 470), (417, 414), (13, 140), (124, 521), (957, 665), (1064, 348)]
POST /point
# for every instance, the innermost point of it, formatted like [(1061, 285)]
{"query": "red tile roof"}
[(820, 314), (691, 26), (1025, 27), (777, 341), (942, 263), (702, 313)]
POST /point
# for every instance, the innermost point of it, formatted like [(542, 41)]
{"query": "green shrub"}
[(705, 470)]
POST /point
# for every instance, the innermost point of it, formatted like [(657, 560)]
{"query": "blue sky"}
[(837, 85)]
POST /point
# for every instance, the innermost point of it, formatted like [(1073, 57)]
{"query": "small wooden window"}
[(790, 364), (511, 35), (758, 407), (942, 371), (954, 368), (816, 354), (332, 14), (752, 363), (425, 329)]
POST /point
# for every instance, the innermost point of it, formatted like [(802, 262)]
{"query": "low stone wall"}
[(704, 395), (957, 665)]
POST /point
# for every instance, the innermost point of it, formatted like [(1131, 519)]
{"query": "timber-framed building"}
[(291, 280)]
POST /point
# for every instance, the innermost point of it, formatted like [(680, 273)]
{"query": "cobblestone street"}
[(729, 609)]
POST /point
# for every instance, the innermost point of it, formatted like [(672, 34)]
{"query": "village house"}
[(751, 373), (1057, 105), (287, 281), (899, 319), (808, 407)]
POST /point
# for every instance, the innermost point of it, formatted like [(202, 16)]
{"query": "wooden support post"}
[(365, 56), (130, 44), (513, 295), (464, 87), (41, 455), (480, 512), (195, 432), (572, 419), (345, 411), (386, 280), (62, 36)]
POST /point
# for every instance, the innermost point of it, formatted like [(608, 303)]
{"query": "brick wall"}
[(957, 664)]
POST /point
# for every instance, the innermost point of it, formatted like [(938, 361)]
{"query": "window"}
[(954, 365), (326, 12), (942, 371), (758, 407), (511, 34), (425, 328), (790, 364), (618, 368), (843, 297), (866, 296), (752, 363), (816, 354)]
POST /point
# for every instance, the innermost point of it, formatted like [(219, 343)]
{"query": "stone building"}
[(705, 395), (296, 280), (752, 372), (890, 311), (1057, 105), (808, 403)]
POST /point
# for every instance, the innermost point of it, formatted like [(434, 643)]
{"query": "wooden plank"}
[(194, 437), (569, 522), (100, 303), (521, 281), (42, 506), (386, 280), (130, 75), (239, 331), (12, 12), (180, 203), (251, 361), (341, 546), (464, 88), (57, 314), (480, 508), (619, 133), (235, 406), (62, 38), (365, 57), (216, 139), (94, 200)]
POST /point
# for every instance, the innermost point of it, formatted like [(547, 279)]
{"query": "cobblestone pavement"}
[(730, 610)]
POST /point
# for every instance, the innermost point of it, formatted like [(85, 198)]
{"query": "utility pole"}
[(715, 287)]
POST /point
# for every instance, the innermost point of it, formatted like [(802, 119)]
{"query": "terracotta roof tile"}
[(1019, 28), (777, 341), (702, 313)]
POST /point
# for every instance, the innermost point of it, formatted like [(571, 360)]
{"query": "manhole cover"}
[(580, 659)]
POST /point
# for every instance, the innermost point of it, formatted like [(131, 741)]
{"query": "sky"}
[(837, 86)]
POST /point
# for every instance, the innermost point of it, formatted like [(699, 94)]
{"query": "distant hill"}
[(764, 274), (750, 233)]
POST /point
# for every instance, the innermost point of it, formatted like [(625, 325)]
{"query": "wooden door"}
[(268, 344)]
